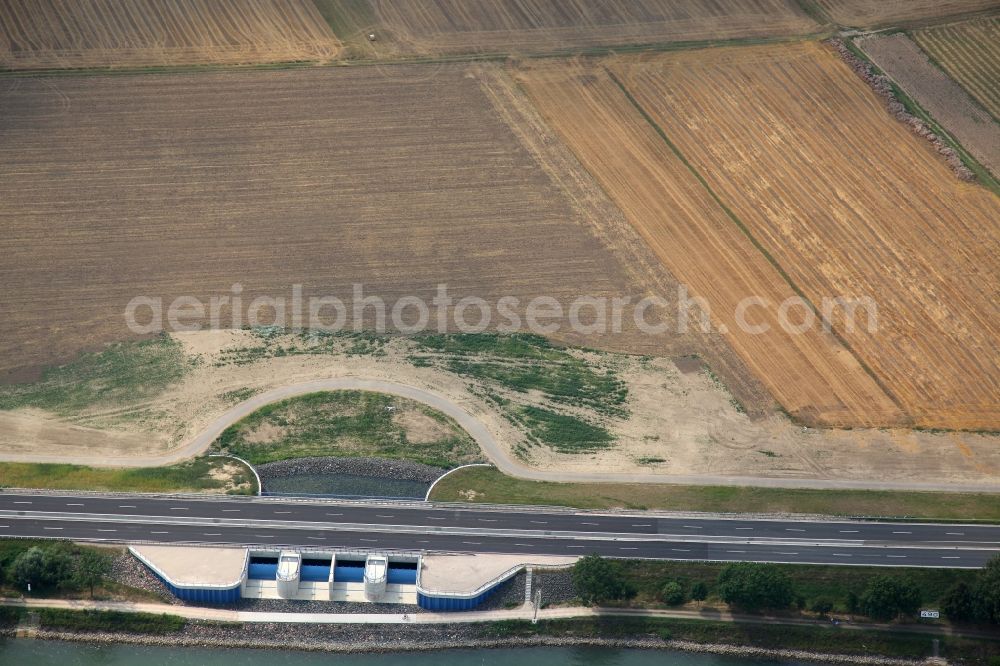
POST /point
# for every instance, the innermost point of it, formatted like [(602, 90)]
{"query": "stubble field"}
[(811, 375), (849, 203), (449, 26), (162, 186), (939, 94), (106, 33), (871, 13), (970, 53)]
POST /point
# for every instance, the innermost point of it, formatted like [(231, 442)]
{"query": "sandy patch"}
[(680, 423), (421, 428)]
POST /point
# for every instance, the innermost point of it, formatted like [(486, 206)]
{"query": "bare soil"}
[(162, 186), (519, 26), (42, 34)]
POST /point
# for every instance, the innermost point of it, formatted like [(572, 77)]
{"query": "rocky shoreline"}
[(375, 468), (412, 638)]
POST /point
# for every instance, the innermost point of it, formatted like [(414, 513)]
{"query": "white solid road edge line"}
[(427, 497)]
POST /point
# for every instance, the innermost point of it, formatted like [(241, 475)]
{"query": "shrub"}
[(753, 585), (597, 580), (43, 567), (822, 605), (699, 591), (888, 597), (987, 592), (672, 594)]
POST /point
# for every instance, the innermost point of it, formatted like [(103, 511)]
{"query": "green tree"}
[(92, 567), (29, 568), (699, 591), (853, 602), (887, 597), (672, 593), (754, 585), (597, 580), (43, 567), (822, 605), (959, 603), (987, 592)]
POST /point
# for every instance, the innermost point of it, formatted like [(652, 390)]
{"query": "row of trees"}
[(59, 565), (752, 586)]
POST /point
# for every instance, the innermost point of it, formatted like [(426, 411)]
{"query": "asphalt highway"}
[(473, 528)]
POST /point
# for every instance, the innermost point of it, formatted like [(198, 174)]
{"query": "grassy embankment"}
[(830, 640), (492, 486), (350, 423), (573, 395), (556, 397), (68, 588), (120, 376), (62, 619), (811, 582), (199, 475)]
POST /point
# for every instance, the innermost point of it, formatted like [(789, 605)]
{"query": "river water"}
[(57, 653)]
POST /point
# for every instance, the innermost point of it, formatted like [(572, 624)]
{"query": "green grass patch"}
[(122, 374), (826, 639), (191, 476), (347, 17), (565, 434), (532, 382), (349, 423), (524, 363), (118, 621), (495, 487)]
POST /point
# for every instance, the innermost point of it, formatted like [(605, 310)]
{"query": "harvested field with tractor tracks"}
[(811, 375), (873, 13), (452, 26), (970, 53), (849, 203), (938, 94), (48, 34), (162, 186)]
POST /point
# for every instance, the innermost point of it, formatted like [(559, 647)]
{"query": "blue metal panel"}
[(452, 603), (205, 596), (262, 571), (315, 573), (402, 576), (349, 574)]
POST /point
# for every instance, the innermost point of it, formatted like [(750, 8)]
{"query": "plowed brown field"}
[(157, 185), (812, 375), (108, 33), (868, 13), (849, 203), (970, 53), (435, 26)]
